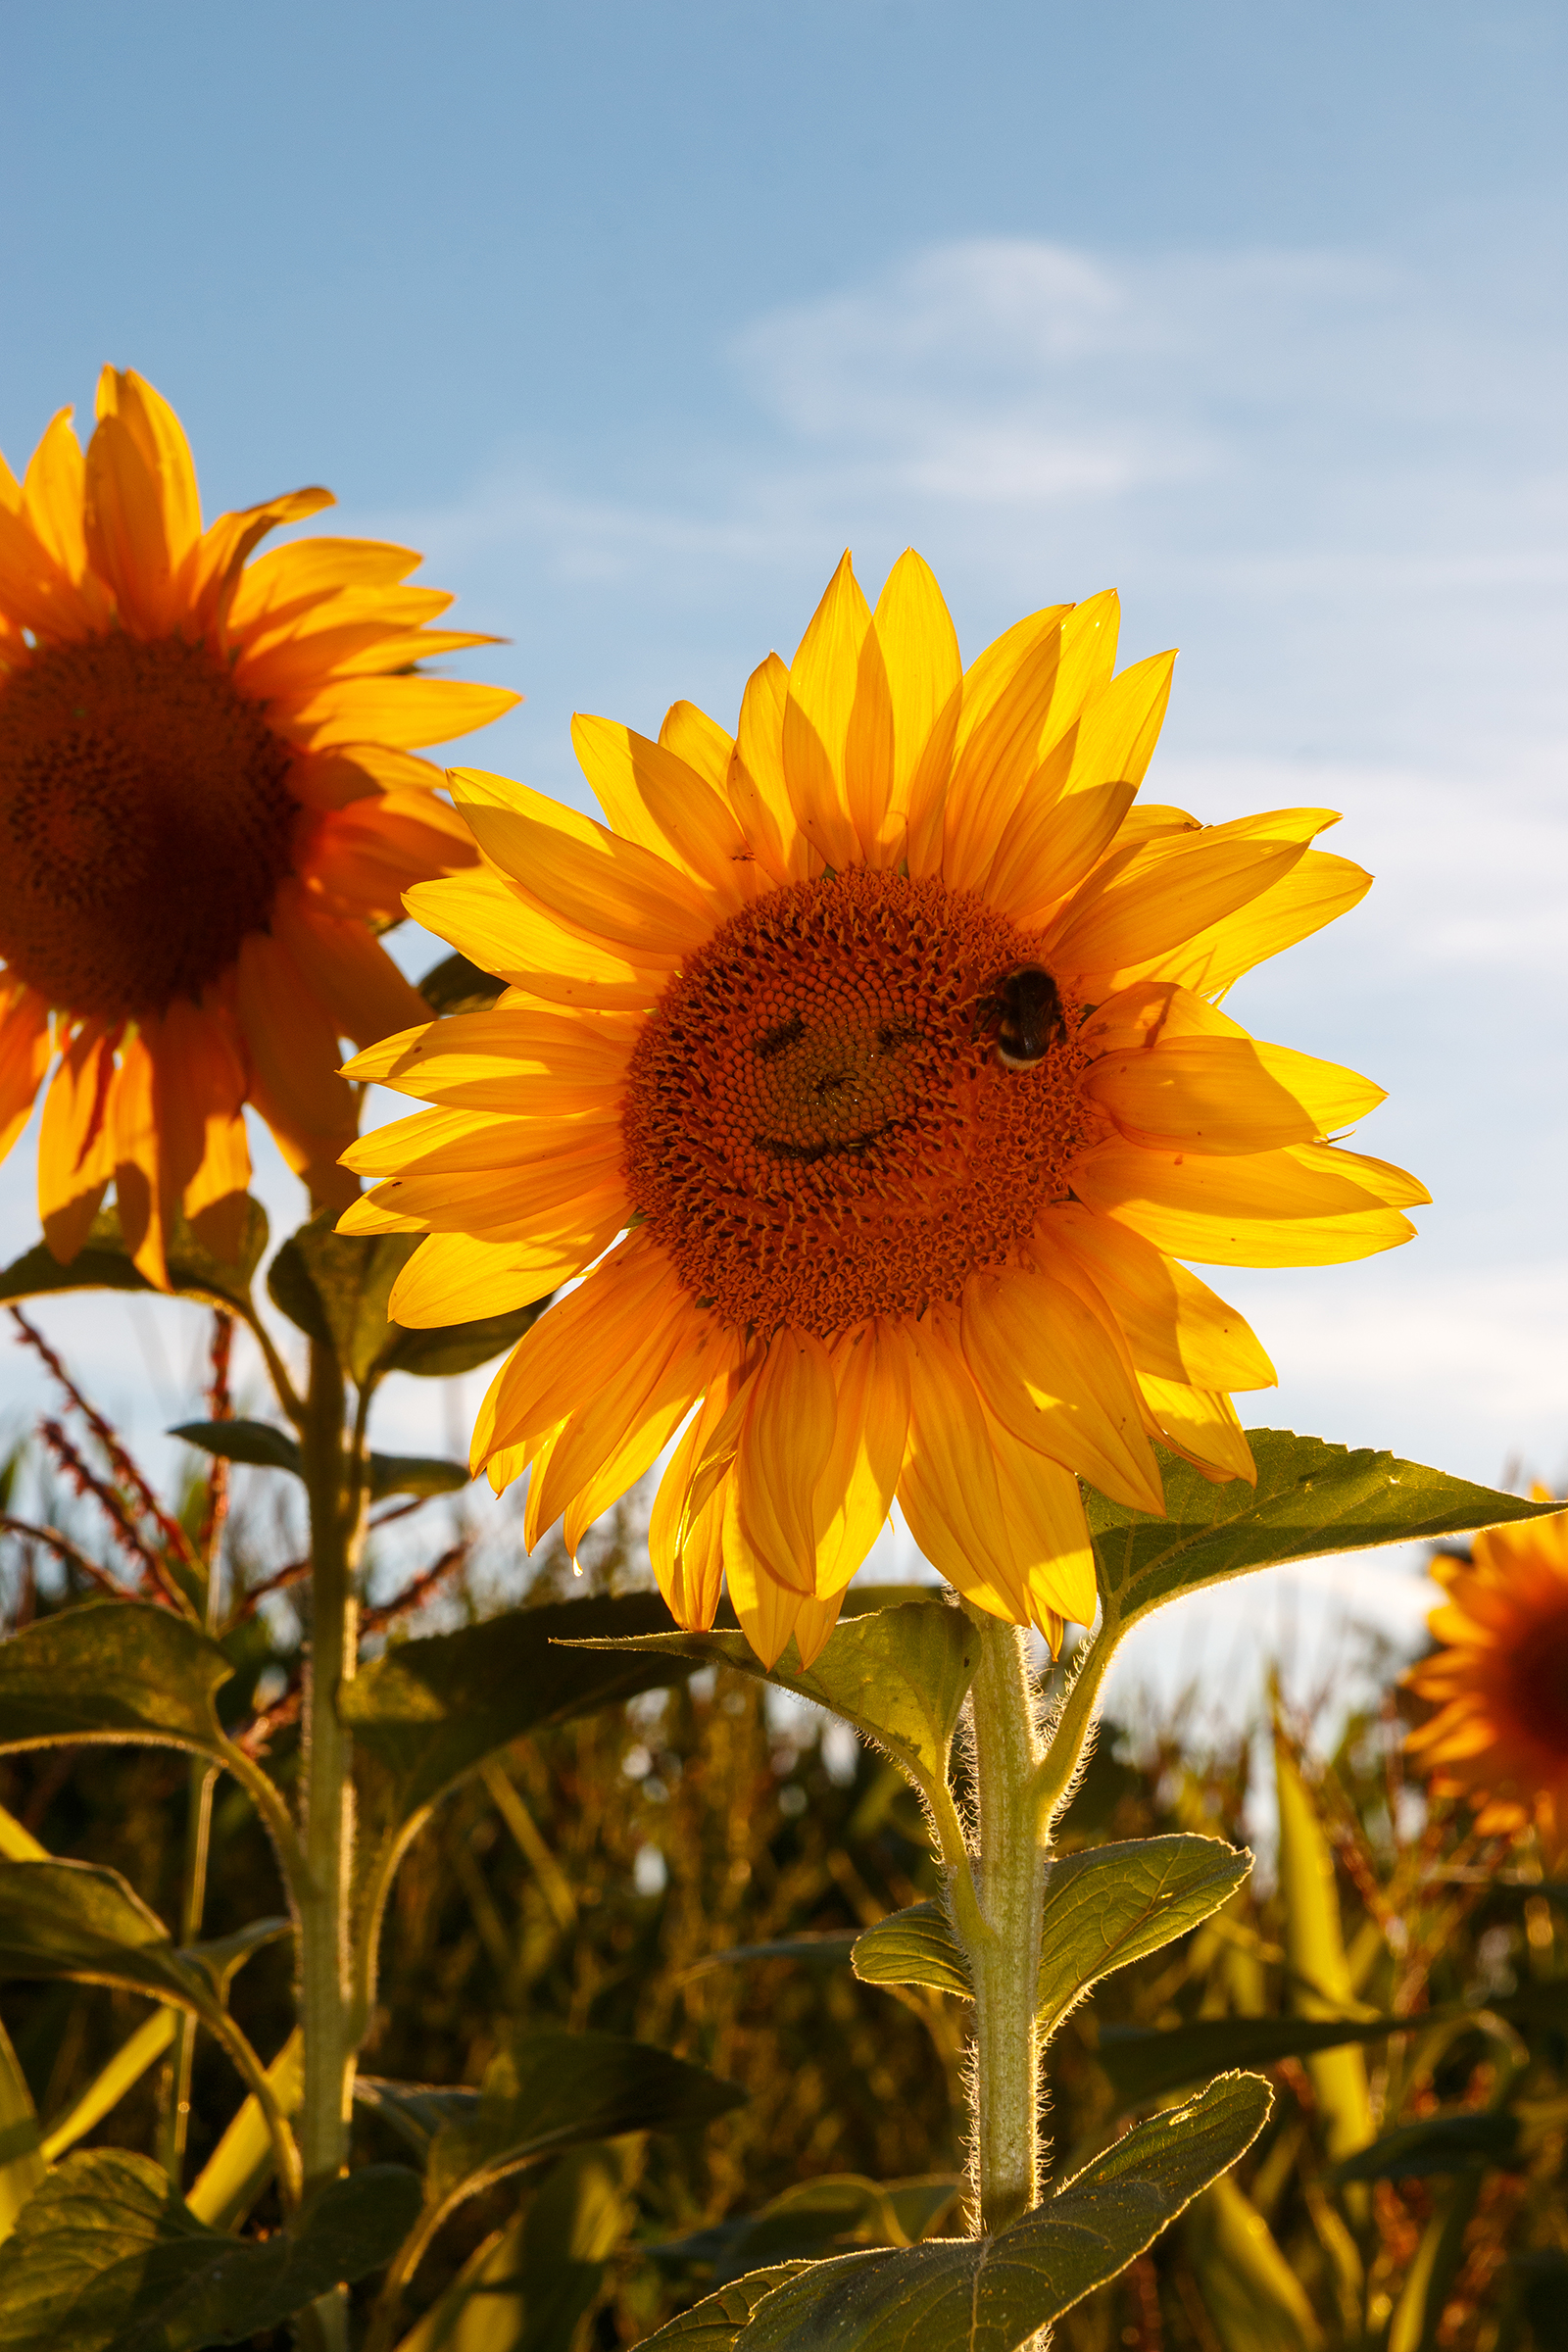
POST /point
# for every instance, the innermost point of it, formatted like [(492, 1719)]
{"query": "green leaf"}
[(815, 2218), (21, 2160), (1103, 1909), (913, 1946), (112, 1670), (992, 2294), (221, 1958), (106, 2258), (455, 985), (714, 2324), (257, 1442), (1250, 2289), (441, 1354), (104, 1263), (79, 1921), (415, 2111), (335, 1286), (430, 1711), (1311, 1499), (900, 1673), (1439, 2144), (1315, 1957), (264, 1447), (1115, 1904)]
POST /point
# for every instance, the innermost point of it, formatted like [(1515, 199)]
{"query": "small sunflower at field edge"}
[(871, 1061), (209, 805), (1498, 1681)]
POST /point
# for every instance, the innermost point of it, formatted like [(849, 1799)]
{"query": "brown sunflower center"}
[(145, 822), (1537, 1684), (817, 1127)]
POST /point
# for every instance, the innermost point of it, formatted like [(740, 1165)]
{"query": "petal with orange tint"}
[(855, 1493), (1049, 1533), (557, 1364), (948, 1487), (700, 741), (755, 786), (75, 1140), (1176, 1327), (766, 1609), (825, 684), (601, 1466), (216, 566), (141, 510), (453, 1278), (1225, 1095), (344, 967), (545, 1205), (288, 581), (652, 796), (294, 1054), (199, 1101), (685, 1527), (631, 1392), (367, 854), (145, 1192), (1045, 851), (586, 878), (1008, 694), (25, 1054), (1051, 1374), (404, 711), (1171, 890), (485, 920), (463, 1142), (925, 685), (1301, 1206), (813, 1626), (1316, 891), (1202, 1425), (785, 1442), (504, 1061)]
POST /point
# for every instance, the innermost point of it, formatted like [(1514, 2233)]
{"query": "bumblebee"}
[(1028, 1015)]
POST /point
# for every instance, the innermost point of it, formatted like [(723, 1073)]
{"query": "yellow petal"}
[(285, 582), (1299, 1206), (461, 1141), (785, 1441), (1051, 850), (685, 1531), (632, 1391), (142, 513), (925, 685), (563, 1206), (406, 712), (758, 791), (75, 1140), (25, 1051), (365, 856), (948, 1489), (343, 966), (1047, 1369), (1225, 1095), (557, 1365), (855, 1493), (768, 1609), (483, 918), (1169, 890), (652, 798), (827, 680), (641, 1433), (144, 1196), (294, 1055), (1201, 1426), (1049, 1533), (453, 1278), (814, 1624), (700, 741), (588, 879), (506, 1059), (1176, 1327), (1315, 892), (199, 1098), (1008, 694)]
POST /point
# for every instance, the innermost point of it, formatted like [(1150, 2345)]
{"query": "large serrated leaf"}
[(1103, 1909), (112, 1670), (714, 2324), (900, 1673), (335, 1286), (104, 1263), (106, 2258), (993, 2294), (430, 1711), (1311, 1499), (1115, 1904)]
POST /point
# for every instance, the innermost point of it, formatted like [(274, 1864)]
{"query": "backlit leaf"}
[(913, 1946), (1115, 1903), (335, 1286), (104, 1263), (442, 1353), (112, 1670), (714, 2324), (107, 2258)]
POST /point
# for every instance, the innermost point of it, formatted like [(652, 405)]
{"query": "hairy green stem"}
[(1074, 1723), (333, 1480), (1010, 1880)]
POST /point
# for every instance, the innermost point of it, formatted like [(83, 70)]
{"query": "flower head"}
[(872, 1059), (1499, 1682), (208, 804)]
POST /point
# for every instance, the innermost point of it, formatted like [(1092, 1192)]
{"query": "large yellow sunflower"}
[(1500, 1683), (208, 800), (870, 1058)]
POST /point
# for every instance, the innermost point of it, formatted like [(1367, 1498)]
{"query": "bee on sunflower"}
[(868, 1066), (208, 805), (1498, 1682)]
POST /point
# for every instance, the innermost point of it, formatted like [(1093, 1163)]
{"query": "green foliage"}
[(992, 2294), (455, 985), (816, 2218), (104, 1263), (1115, 1904), (715, 2323), (914, 1946), (106, 2258), (77, 1919), (899, 1673), (112, 1670), (1440, 2144), (259, 1443)]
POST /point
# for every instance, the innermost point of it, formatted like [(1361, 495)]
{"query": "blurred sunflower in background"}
[(1500, 1683), (883, 1035), (208, 806)]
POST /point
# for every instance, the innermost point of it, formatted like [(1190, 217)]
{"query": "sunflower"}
[(870, 1061), (1499, 1682), (208, 804)]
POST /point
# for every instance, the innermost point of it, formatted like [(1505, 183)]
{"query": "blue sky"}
[(633, 317)]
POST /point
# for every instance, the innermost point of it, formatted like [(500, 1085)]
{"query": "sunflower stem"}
[(334, 1485), (1004, 1955)]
